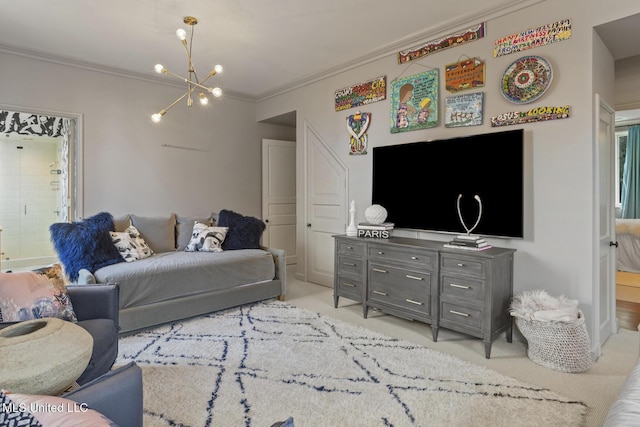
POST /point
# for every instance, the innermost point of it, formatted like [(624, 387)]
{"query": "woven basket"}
[(564, 347)]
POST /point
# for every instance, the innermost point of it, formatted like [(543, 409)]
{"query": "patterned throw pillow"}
[(206, 239), (130, 244), (35, 294), (13, 414), (35, 410)]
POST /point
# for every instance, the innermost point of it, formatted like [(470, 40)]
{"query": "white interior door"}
[(326, 191), (279, 196), (604, 295)]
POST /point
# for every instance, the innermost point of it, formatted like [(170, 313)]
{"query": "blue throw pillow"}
[(244, 231), (85, 244)]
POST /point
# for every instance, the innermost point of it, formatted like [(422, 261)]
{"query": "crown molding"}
[(440, 30)]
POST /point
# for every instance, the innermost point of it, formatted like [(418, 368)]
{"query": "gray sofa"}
[(173, 284)]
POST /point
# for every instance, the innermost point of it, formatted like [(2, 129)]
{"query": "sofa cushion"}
[(206, 238), (184, 229), (130, 244), (31, 295), (122, 222), (105, 347), (49, 411), (244, 231), (158, 232), (85, 244)]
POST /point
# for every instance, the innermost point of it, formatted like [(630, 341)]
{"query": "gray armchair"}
[(117, 395), (97, 309)]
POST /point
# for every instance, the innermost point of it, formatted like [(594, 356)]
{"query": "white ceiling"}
[(265, 46)]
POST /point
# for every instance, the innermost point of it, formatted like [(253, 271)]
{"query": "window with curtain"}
[(630, 191)]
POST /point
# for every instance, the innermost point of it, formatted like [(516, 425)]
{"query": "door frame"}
[(76, 156), (611, 291)]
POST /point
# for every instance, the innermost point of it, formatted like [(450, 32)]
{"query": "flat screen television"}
[(419, 183)]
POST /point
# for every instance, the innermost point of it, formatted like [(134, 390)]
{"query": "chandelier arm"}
[(176, 101), (186, 80)]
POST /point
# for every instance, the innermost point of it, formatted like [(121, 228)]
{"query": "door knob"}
[(309, 225)]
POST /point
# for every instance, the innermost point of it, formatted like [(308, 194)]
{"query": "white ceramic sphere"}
[(375, 214)]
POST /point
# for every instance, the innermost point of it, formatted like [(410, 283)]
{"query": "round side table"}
[(43, 356)]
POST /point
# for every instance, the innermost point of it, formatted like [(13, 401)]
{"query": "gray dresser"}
[(465, 291)]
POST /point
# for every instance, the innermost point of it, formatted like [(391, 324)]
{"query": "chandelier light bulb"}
[(218, 68), (217, 92), (203, 99), (155, 118), (159, 68), (181, 34)]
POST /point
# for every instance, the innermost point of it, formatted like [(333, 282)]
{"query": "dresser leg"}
[(335, 301), (487, 350), (365, 310), (434, 333), (509, 332)]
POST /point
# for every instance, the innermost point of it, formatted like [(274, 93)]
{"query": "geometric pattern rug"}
[(262, 363)]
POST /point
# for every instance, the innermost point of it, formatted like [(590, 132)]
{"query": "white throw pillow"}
[(206, 238), (130, 244)]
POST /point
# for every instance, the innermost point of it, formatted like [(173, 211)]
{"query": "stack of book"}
[(469, 243), (380, 231)]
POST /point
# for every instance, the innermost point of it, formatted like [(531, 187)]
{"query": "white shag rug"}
[(258, 364)]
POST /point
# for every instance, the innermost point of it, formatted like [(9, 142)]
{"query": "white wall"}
[(556, 253), (126, 169), (627, 84)]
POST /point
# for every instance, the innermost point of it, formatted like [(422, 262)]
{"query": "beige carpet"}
[(597, 388), (260, 363)]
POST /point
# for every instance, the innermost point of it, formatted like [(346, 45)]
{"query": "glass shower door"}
[(30, 199)]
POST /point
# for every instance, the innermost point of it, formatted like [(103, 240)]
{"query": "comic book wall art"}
[(357, 126), (467, 35), (361, 94), (463, 110), (414, 101)]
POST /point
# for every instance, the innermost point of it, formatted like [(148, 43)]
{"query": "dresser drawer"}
[(422, 259), (463, 265), (404, 288), (464, 316), (350, 265), (348, 285), (350, 249), (459, 286)]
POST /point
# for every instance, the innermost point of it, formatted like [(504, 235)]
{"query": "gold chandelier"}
[(193, 83)]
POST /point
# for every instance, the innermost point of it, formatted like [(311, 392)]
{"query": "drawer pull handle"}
[(351, 285), (414, 277), (414, 258), (384, 294), (377, 270), (453, 285), (349, 247), (459, 313), (350, 264), (380, 253), (460, 264), (414, 302)]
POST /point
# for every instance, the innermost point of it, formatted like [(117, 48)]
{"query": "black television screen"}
[(419, 183)]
